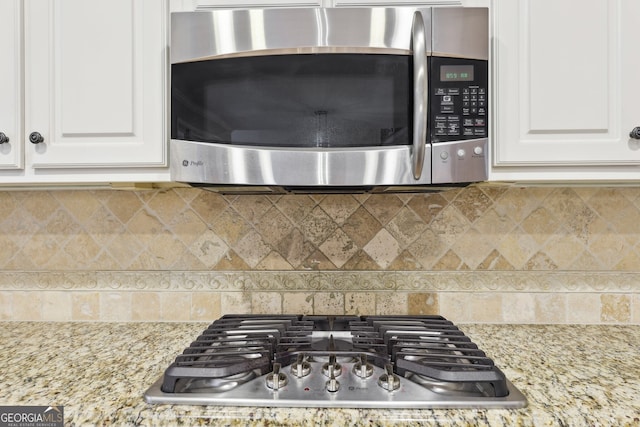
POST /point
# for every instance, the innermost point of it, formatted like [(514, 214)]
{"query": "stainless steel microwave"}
[(329, 99)]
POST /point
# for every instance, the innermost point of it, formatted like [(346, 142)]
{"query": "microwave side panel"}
[(460, 32)]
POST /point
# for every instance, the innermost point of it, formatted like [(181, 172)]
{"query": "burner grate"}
[(425, 349)]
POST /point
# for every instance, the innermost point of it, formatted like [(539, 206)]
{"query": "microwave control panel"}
[(459, 105)]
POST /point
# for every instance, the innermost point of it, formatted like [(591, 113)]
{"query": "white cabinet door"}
[(565, 88), (11, 85), (231, 4), (94, 83)]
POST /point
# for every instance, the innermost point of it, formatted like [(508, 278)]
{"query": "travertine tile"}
[(27, 305), (359, 303), (471, 307), (6, 305), (297, 302), (550, 308), (383, 248), (391, 303), (518, 307), (235, 302), (616, 308), (423, 303), (266, 302), (339, 248), (175, 306), (205, 306), (145, 306), (328, 303), (56, 306), (115, 306), (583, 308), (85, 306)]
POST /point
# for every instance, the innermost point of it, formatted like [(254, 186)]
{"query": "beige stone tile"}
[(450, 261), (540, 225), (449, 225), (551, 308), (472, 203), (427, 206), (583, 308), (251, 207), (231, 261), (9, 249), (273, 226), (563, 249), (328, 303), (389, 303), (115, 306), (205, 306), (297, 302), (7, 205), (359, 303), (145, 306), (125, 249), (295, 248), (230, 226), (56, 305), (428, 249), (175, 306), (479, 307), (145, 226), (518, 307), (609, 249), (406, 226), (85, 306), (273, 261), (252, 249), (83, 250), (166, 205), (473, 247), (317, 226), (166, 248), (423, 303), (635, 309), (27, 305), (339, 206), (6, 303), (209, 205), (383, 207), (266, 303), (362, 261), (616, 308), (235, 302), (40, 204), (494, 261), (295, 207), (361, 226), (339, 248), (517, 248), (383, 248), (124, 205), (187, 226)]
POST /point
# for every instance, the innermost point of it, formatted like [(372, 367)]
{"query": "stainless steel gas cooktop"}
[(335, 361)]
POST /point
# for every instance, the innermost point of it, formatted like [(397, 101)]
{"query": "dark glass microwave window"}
[(324, 100)]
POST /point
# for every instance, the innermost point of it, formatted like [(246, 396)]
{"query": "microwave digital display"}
[(456, 73)]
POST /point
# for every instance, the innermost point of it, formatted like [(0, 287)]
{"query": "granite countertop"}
[(571, 375)]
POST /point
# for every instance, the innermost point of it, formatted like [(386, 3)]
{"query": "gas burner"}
[(335, 361)]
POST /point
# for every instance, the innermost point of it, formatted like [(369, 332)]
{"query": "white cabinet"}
[(93, 86), (10, 85), (565, 89)]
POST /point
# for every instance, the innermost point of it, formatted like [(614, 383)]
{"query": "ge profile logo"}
[(186, 163)]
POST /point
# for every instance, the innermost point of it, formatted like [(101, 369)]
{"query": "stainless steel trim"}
[(212, 163), (460, 161), (420, 94), (299, 394), (212, 34)]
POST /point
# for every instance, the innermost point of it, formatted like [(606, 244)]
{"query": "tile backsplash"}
[(484, 253)]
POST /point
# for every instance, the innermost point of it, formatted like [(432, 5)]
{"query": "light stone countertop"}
[(571, 375)]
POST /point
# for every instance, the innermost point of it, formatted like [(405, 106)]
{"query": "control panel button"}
[(477, 151), (444, 155), (461, 153)]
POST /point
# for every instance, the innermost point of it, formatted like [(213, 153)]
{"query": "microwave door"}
[(341, 101)]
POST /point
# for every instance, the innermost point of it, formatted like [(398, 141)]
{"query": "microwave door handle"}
[(420, 93)]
